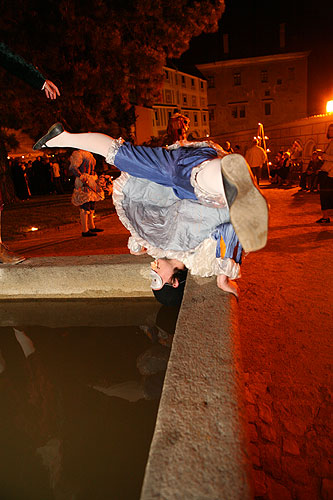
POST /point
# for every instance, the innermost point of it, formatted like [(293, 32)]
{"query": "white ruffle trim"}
[(198, 144), (113, 150)]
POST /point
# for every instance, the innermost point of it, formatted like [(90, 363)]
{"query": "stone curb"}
[(199, 447)]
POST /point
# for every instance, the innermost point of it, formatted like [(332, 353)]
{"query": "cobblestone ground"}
[(286, 331)]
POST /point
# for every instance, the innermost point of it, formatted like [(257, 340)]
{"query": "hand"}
[(227, 285), (51, 90)]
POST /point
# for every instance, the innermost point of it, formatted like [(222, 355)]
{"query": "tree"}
[(105, 56)]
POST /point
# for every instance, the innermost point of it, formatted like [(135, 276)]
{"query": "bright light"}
[(268, 150), (266, 137), (329, 107), (34, 229)]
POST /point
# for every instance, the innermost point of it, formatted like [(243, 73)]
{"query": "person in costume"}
[(16, 65), (88, 189), (179, 202)]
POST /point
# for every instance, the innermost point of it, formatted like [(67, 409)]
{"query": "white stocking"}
[(84, 220), (89, 141)]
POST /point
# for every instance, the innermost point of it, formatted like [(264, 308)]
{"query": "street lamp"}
[(329, 107)]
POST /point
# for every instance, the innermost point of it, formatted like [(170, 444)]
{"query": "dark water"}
[(79, 403)]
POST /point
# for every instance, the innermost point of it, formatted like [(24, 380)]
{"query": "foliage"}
[(105, 56)]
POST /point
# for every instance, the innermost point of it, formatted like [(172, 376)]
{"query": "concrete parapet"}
[(199, 448), (77, 277)]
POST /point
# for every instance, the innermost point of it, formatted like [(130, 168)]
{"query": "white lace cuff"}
[(133, 245), (228, 267), (113, 150)]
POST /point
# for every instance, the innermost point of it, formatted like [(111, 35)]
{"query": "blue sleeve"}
[(227, 233)]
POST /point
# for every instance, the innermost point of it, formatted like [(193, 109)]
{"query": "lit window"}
[(237, 79)]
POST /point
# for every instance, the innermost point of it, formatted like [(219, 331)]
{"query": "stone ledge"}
[(199, 448), (77, 277)]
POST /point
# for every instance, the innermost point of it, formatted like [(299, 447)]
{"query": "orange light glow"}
[(329, 107), (34, 229)]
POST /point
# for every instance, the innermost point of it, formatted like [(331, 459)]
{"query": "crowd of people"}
[(39, 177)]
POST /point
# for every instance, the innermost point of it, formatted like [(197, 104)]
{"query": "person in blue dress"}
[(190, 205)]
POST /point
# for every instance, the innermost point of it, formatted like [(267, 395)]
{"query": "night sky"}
[(253, 29)]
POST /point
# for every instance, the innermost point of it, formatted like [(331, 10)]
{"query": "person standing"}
[(56, 177), (256, 157), (325, 178), (16, 65), (86, 190), (178, 126)]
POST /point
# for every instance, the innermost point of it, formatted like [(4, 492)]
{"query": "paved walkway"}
[(285, 315)]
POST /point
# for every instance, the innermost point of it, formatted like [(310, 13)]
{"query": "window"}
[(212, 115), (204, 118), (195, 119), (279, 81), (166, 74), (268, 109), (192, 83), (201, 85), (211, 82), (237, 79), (184, 99), (267, 92), (176, 79), (168, 96), (194, 100), (264, 76), (157, 118), (183, 81), (238, 111)]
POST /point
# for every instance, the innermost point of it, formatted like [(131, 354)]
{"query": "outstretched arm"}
[(227, 285)]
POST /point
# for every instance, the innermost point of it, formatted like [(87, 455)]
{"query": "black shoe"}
[(87, 234), (96, 230), (53, 131), (323, 220)]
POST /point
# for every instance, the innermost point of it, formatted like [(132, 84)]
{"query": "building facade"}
[(269, 89), (181, 91)]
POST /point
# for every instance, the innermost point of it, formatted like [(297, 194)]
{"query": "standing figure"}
[(178, 126), (17, 66), (86, 190), (325, 178), (56, 177), (190, 205), (256, 157)]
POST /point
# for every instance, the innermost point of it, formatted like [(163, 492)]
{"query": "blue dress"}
[(168, 167)]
